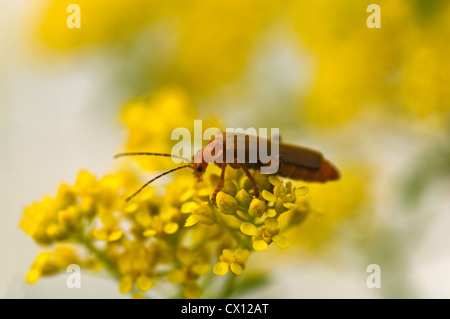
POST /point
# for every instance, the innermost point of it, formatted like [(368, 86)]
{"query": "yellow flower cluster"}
[(171, 232), (175, 237), (48, 263)]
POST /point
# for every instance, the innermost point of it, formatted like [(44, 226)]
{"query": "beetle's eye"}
[(199, 168)]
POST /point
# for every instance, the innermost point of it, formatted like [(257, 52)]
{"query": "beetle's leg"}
[(251, 179), (219, 184)]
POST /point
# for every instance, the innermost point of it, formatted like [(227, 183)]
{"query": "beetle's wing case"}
[(300, 156), (288, 154)]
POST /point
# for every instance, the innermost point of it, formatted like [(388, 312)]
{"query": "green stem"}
[(101, 256), (229, 287)]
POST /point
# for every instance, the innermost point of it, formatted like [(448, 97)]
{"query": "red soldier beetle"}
[(294, 162)]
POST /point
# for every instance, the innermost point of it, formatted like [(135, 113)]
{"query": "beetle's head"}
[(199, 165)]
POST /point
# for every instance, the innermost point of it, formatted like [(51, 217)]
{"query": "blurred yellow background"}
[(374, 101)]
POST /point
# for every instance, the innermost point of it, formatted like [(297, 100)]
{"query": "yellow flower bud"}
[(236, 268), (204, 214), (257, 208), (269, 196), (69, 218), (126, 284), (65, 256), (227, 204), (221, 268), (249, 229), (243, 198), (170, 228), (55, 231), (144, 283), (230, 188), (259, 245), (33, 276)]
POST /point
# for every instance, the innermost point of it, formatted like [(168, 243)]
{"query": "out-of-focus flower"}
[(399, 69), (204, 46), (193, 265), (102, 22), (48, 263), (146, 134), (210, 39), (330, 206)]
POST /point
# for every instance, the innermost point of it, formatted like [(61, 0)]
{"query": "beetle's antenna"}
[(152, 154), (154, 179)]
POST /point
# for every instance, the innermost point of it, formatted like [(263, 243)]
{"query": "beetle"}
[(294, 162)]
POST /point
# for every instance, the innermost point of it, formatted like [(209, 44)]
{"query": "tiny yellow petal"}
[(187, 195), (64, 256), (301, 191), (143, 218), (144, 283), (221, 268), (55, 231), (200, 269), (131, 208), (269, 196), (290, 205), (241, 255), (227, 255), (185, 255), (92, 264), (107, 217), (271, 213), (175, 276), (42, 259), (249, 229), (280, 241), (33, 276), (271, 223), (115, 235), (170, 228), (275, 181), (204, 191), (186, 208), (149, 232), (204, 214), (190, 221), (236, 268), (126, 284), (259, 245)]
